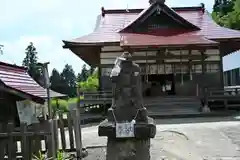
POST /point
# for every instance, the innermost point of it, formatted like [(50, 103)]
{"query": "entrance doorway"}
[(160, 85)]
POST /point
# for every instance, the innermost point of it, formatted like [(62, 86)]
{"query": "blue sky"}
[(47, 22)]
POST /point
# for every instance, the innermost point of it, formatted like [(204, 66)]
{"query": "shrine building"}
[(179, 50)]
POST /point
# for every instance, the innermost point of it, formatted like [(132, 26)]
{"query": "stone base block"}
[(206, 109), (128, 149), (142, 130)]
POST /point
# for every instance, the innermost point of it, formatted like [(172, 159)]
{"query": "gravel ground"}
[(190, 141), (180, 139)]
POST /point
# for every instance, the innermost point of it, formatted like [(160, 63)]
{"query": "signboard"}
[(27, 112), (125, 130)]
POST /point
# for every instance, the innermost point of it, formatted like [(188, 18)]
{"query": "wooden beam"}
[(164, 57), (155, 48), (113, 51), (171, 63)]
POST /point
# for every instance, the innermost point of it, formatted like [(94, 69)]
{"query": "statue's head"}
[(126, 55)]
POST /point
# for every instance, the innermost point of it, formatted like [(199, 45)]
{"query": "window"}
[(228, 78), (237, 77), (233, 78), (212, 68), (169, 69), (181, 68), (225, 79), (197, 68)]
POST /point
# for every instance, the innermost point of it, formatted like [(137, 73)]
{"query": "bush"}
[(62, 105), (91, 84)]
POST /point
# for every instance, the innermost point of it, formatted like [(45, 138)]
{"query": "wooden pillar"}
[(181, 67), (100, 77), (203, 62), (190, 64), (147, 67), (99, 71), (221, 50), (203, 88)]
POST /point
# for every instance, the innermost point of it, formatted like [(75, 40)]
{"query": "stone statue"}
[(127, 126)]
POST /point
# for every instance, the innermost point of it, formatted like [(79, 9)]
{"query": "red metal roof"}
[(179, 40), (108, 27), (17, 78)]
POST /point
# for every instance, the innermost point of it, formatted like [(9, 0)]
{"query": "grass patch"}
[(63, 104)]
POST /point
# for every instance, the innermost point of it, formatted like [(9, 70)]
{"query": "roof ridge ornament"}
[(156, 1), (103, 11), (203, 7)]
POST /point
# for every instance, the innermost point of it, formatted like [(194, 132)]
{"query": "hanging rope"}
[(133, 120)]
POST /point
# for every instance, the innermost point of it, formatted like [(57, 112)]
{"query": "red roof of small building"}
[(108, 27), (17, 78)]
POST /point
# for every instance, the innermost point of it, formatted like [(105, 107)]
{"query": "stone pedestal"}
[(135, 128), (137, 148), (129, 149)]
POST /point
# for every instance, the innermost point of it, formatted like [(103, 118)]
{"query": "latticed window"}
[(181, 68), (212, 68), (197, 68)]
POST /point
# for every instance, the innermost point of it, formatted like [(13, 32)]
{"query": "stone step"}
[(172, 109), (171, 112), (172, 100), (172, 103)]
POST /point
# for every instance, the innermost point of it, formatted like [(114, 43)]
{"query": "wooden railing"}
[(229, 97), (29, 139), (96, 98), (24, 141)]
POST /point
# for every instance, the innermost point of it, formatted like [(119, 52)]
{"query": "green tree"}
[(91, 84), (223, 6), (227, 13), (92, 69), (84, 74), (56, 81), (30, 61), (1, 49), (79, 77), (69, 80)]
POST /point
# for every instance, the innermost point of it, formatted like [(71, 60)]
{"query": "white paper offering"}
[(125, 130)]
